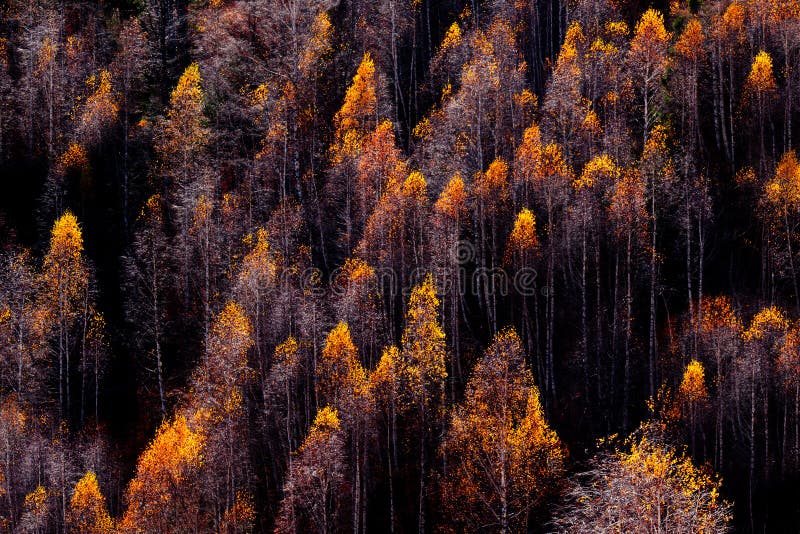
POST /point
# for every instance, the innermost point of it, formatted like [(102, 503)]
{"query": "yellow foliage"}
[(769, 319), (340, 375), (63, 263), (188, 92), (599, 168), (423, 130), (415, 188), (384, 380), (87, 511), (656, 144), (240, 516), (761, 79), (650, 31), (501, 451), (319, 44), (574, 37), (259, 97), (423, 342), (693, 385), (46, 57), (360, 104), (326, 421), (649, 45), (231, 336), (599, 46), (183, 130), (453, 36), (591, 123), (287, 352), (617, 28), (258, 268), (523, 237)]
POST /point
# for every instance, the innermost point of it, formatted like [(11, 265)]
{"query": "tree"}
[(167, 473), (184, 133), (343, 384), (183, 137), (357, 117), (627, 214), (658, 173), (87, 508), (147, 267), (719, 341), (503, 457), (339, 373), (67, 279), (755, 368), (491, 192), (386, 384), (544, 175), (646, 486), (100, 108), (782, 198), (692, 395), (312, 492), (358, 304), (522, 248), (759, 92), (423, 350), (449, 215), (257, 275), (648, 61), (591, 190), (566, 109), (25, 326)]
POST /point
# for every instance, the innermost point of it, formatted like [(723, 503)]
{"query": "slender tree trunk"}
[(628, 320)]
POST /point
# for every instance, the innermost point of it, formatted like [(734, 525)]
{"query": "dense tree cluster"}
[(399, 265)]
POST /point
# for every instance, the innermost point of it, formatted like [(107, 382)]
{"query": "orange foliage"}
[(452, 201), (491, 187), (502, 454), (783, 191), (693, 386), (691, 43), (353, 120), (718, 312), (627, 209), (523, 237), (340, 374), (761, 79), (165, 474), (75, 158), (87, 511), (101, 106)]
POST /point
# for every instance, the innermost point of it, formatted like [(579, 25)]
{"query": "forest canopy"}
[(399, 266)]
